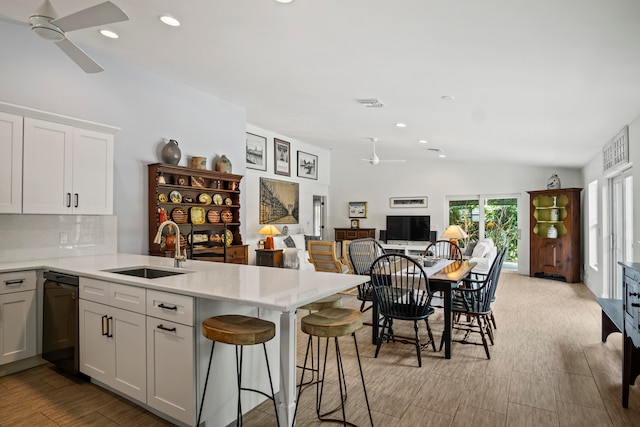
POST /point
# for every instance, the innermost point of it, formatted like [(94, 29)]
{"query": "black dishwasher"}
[(60, 321)]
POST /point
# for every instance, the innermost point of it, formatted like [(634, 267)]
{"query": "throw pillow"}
[(469, 249), (298, 240), (481, 249), (289, 242)]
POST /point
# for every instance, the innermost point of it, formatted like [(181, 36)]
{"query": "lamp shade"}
[(269, 230), (454, 232)]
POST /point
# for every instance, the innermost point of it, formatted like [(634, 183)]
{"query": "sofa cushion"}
[(298, 240), (482, 248), (288, 241)]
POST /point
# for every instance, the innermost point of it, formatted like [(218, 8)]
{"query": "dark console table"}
[(631, 312)]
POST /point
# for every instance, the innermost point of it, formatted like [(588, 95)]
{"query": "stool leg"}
[(304, 369), (273, 395), (206, 381), (239, 375), (340, 378), (364, 388)]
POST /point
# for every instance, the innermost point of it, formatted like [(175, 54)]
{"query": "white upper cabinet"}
[(66, 169), (10, 163)]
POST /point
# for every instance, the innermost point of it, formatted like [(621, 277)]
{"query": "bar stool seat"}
[(240, 331), (332, 301), (332, 323)]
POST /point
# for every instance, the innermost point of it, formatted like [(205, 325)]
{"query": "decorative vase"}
[(554, 214), (171, 153), (552, 232), (223, 164), (199, 162)]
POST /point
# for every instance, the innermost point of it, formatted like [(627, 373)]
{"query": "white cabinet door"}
[(17, 326), (130, 357), (66, 170), (96, 347), (170, 369), (47, 167), (92, 172), (10, 163), (112, 347)]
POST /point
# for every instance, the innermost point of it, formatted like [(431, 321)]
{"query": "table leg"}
[(287, 394), (447, 324)]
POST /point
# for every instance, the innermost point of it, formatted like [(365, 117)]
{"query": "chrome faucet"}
[(178, 260)]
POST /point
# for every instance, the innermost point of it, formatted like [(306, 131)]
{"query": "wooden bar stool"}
[(239, 331), (332, 323), (332, 301)]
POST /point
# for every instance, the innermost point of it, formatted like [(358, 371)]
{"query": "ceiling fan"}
[(45, 22), (374, 159)]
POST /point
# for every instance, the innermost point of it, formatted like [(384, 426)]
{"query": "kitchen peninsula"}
[(214, 288)]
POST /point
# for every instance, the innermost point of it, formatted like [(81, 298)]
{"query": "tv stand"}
[(406, 249)]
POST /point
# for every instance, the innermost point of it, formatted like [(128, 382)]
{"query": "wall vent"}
[(616, 152), (371, 102)]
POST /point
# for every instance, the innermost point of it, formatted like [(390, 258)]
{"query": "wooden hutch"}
[(205, 205), (555, 234)]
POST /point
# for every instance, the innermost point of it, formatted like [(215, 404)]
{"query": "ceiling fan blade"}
[(101, 14), (79, 56), (12, 21), (394, 161)]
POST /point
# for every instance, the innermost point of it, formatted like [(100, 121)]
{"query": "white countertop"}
[(265, 287)]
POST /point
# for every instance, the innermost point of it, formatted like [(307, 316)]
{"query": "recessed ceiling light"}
[(109, 34), (442, 156), (447, 97), (170, 20), (401, 125), (284, 1), (422, 141)]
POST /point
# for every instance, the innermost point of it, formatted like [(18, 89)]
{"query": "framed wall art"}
[(256, 152), (282, 157), (357, 209), (279, 201), (408, 202), (307, 165)]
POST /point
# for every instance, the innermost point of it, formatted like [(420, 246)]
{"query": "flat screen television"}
[(408, 227)]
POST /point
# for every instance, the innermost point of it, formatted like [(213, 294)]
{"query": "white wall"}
[(308, 187), (436, 179), (148, 108)]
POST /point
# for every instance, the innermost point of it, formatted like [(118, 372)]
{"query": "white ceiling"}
[(542, 82)]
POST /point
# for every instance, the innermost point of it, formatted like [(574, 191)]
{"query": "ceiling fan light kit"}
[(374, 159)]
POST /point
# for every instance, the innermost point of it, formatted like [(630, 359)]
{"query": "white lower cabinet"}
[(170, 355), (112, 339), (17, 316)]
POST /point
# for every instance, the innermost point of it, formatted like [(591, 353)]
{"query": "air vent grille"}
[(616, 152), (371, 102)]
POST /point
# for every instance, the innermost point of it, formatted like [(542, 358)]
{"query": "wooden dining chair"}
[(362, 254), (323, 257), (443, 249)]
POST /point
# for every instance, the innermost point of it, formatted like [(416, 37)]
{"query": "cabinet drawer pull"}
[(167, 329), (16, 282), (76, 198), (68, 200), (635, 304), (105, 325), (633, 294), (110, 324), (168, 307)]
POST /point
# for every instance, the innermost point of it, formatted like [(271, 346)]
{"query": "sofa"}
[(484, 252), (295, 254)]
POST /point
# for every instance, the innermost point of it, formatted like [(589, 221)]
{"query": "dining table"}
[(444, 276)]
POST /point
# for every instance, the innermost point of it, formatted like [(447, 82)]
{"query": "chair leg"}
[(484, 340), (433, 343), (381, 336), (417, 338), (493, 320), (206, 381), (487, 323)]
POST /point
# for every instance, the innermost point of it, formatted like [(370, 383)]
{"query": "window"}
[(593, 224)]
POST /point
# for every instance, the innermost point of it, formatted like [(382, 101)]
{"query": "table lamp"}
[(269, 230), (453, 233)]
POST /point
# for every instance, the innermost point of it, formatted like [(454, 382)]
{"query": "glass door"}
[(621, 190)]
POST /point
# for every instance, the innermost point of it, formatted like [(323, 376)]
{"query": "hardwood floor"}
[(548, 367)]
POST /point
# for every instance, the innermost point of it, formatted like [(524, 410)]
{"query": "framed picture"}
[(307, 165), (355, 223), (408, 202), (256, 152), (279, 201), (357, 209), (282, 157)]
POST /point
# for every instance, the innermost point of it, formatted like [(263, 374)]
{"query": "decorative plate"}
[(179, 215), (204, 198), (213, 216), (197, 238), (217, 199), (175, 196), (215, 238), (227, 237), (228, 201), (162, 198), (197, 215), (226, 216)]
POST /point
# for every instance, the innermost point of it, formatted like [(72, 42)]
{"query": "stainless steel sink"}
[(147, 272)]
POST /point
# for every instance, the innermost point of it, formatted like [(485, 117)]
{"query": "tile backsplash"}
[(27, 237)]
